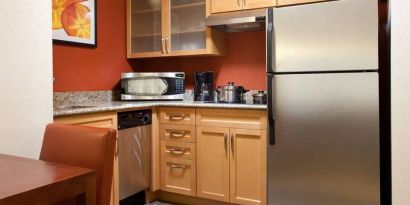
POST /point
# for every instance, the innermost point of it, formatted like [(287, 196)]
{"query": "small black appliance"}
[(204, 86)]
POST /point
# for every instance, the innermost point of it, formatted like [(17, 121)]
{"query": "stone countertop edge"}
[(125, 105)]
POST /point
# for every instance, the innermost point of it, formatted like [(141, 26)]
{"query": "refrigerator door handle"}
[(271, 120), (270, 42)]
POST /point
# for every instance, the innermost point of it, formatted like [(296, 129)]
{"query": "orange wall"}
[(88, 69), (79, 68), (244, 63)]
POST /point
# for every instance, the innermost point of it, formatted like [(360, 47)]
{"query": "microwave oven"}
[(153, 86)]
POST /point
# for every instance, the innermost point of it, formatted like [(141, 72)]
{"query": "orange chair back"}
[(86, 147)]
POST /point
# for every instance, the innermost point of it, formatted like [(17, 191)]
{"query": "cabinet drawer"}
[(182, 133), (178, 150), (178, 176), (249, 119), (178, 116), (106, 120)]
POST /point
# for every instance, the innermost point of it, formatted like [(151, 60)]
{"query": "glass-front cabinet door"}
[(158, 28), (144, 28), (188, 30)]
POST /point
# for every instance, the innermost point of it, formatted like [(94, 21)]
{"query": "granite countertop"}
[(87, 108)]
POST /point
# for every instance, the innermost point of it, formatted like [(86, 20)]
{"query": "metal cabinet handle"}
[(178, 134), (163, 45), (226, 141), (177, 151), (178, 166), (232, 144), (167, 45), (177, 117)]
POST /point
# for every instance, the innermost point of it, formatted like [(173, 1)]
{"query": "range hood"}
[(248, 20)]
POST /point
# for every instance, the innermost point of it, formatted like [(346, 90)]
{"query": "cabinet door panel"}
[(188, 31), (248, 167), (254, 4), (290, 2), (178, 176), (218, 6), (213, 163), (146, 26)]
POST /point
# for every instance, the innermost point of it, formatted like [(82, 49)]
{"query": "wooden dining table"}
[(33, 182)]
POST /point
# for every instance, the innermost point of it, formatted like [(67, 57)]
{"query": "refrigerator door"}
[(329, 36), (326, 147)]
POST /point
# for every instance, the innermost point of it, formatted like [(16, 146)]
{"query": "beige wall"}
[(25, 75), (401, 101)]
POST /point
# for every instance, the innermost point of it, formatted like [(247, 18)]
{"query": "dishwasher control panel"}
[(134, 119)]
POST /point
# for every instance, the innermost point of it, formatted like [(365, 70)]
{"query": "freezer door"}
[(326, 149), (335, 35)]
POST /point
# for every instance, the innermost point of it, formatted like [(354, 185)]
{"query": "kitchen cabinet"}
[(160, 28), (105, 120), (178, 150), (232, 165), (218, 6), (178, 176), (248, 166), (291, 2), (231, 156), (213, 163)]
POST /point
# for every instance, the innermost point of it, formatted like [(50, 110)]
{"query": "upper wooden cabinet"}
[(226, 5), (219, 6), (291, 2), (159, 28)]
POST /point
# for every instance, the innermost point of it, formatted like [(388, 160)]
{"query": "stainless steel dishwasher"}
[(134, 154)]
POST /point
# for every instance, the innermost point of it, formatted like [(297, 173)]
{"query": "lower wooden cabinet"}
[(213, 163), (248, 166), (232, 165), (178, 176), (106, 120)]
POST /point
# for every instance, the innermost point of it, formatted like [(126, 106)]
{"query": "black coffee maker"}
[(204, 86)]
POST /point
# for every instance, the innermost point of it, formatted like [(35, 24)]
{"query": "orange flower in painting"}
[(76, 20), (58, 7)]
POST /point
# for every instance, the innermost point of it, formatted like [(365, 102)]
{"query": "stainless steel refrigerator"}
[(322, 75)]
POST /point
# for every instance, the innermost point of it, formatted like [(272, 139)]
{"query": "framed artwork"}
[(74, 22)]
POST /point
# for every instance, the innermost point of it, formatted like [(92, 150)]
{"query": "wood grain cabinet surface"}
[(213, 163), (171, 28), (231, 155), (105, 120), (219, 6)]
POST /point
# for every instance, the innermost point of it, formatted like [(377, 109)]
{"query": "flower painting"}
[(74, 21)]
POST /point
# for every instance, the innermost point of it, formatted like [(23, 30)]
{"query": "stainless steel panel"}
[(335, 35), (153, 75), (152, 97), (326, 148), (237, 21), (134, 160)]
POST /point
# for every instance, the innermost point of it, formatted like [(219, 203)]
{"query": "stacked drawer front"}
[(178, 150)]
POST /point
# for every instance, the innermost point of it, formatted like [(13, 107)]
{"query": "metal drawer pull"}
[(178, 151), (177, 117), (167, 46), (178, 166), (178, 134), (163, 45)]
